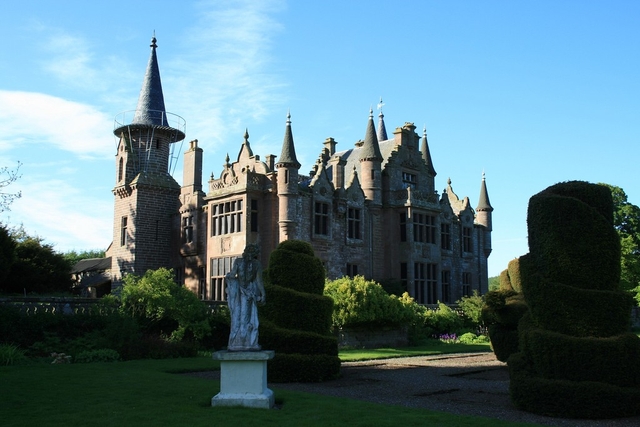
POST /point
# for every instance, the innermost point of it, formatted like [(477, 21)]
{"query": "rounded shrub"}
[(296, 318), (294, 265), (359, 302)]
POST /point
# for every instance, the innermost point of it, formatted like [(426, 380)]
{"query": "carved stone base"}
[(243, 379)]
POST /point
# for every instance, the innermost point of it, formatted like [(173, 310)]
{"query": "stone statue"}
[(245, 291)]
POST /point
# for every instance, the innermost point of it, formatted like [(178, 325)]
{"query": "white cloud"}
[(36, 118), (70, 61), (230, 87), (76, 221)]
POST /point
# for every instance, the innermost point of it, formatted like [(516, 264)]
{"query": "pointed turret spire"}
[(245, 151), (483, 201), (288, 155), (382, 130), (150, 109), (370, 147), (426, 153)]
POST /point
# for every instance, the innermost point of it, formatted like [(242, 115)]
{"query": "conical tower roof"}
[(150, 109), (288, 154), (370, 148), (382, 129), (426, 153), (483, 202)]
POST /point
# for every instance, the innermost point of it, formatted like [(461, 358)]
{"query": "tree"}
[(37, 267), (8, 176), (494, 283), (7, 254), (626, 220), (164, 307), (73, 257)]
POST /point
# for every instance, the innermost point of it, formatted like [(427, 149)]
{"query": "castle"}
[(371, 210)]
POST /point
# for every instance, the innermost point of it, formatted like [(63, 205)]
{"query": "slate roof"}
[(288, 154), (370, 149), (151, 109), (92, 264), (483, 203)]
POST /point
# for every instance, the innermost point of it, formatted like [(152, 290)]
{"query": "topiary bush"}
[(293, 265), (576, 355), (296, 318), (503, 309)]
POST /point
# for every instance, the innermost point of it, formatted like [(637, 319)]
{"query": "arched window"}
[(120, 169)]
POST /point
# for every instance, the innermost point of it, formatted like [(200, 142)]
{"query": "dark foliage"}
[(576, 358), (7, 256), (296, 318), (37, 269), (293, 265)]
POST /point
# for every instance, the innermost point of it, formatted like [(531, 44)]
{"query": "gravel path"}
[(468, 384)]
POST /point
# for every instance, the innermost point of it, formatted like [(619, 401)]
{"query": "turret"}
[(146, 195), (484, 213), (288, 167), (382, 129), (426, 156), (148, 132), (371, 164)]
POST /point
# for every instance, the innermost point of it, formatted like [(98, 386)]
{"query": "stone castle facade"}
[(370, 210)]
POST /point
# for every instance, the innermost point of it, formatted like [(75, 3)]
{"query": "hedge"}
[(576, 355), (297, 310), (612, 360), (569, 399), (293, 265), (575, 311), (572, 243)]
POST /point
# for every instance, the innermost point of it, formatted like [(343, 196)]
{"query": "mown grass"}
[(151, 393), (433, 347)]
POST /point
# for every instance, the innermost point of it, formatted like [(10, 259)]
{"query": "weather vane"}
[(380, 104)]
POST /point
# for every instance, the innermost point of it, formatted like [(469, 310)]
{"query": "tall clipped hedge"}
[(503, 309), (296, 319), (576, 358)]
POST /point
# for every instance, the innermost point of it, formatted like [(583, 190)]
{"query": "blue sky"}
[(530, 92)]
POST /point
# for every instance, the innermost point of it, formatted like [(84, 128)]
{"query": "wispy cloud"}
[(69, 59), (36, 118), (230, 86)]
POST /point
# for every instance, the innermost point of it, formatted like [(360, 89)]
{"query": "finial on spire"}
[(246, 134), (424, 131), (289, 116), (153, 40), (380, 105), (371, 112)]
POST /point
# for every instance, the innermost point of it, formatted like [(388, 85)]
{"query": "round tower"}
[(484, 215), (371, 164), (146, 195), (288, 167)]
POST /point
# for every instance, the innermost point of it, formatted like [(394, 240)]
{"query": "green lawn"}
[(430, 349), (151, 393)]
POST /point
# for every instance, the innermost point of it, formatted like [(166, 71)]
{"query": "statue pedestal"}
[(243, 379)]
